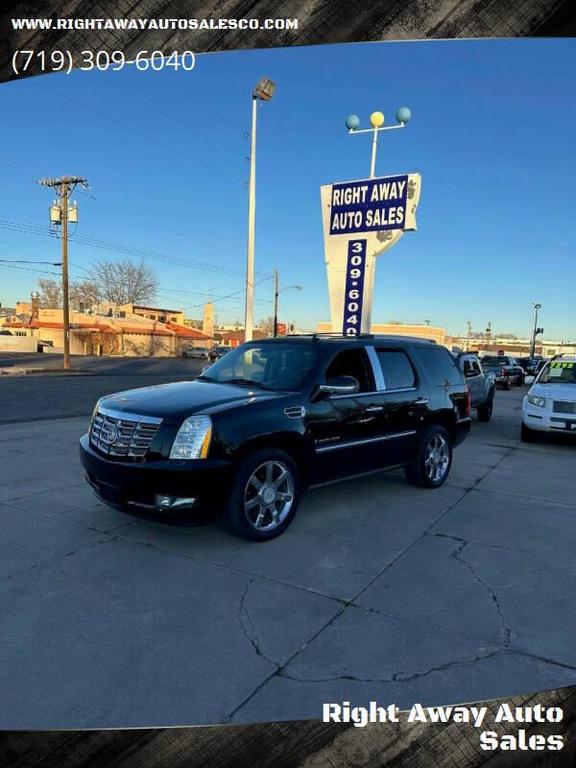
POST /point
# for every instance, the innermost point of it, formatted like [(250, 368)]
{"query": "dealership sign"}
[(362, 219)]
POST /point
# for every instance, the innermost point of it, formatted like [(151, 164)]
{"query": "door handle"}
[(374, 408), (422, 401)]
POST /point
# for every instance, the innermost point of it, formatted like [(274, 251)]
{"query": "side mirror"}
[(338, 385)]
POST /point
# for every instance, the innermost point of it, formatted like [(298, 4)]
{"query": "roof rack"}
[(359, 336)]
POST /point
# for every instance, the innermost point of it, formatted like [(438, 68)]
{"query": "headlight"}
[(539, 401), (193, 438)]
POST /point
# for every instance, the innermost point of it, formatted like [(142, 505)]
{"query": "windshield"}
[(558, 372), (276, 367)]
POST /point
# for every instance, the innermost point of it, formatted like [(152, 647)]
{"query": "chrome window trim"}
[(125, 416), (354, 394), (379, 379), (366, 441), (377, 372)]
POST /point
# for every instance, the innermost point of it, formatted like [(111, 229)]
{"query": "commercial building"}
[(422, 331), (121, 331), (511, 346)]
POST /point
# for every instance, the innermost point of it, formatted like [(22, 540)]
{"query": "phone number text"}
[(28, 61)]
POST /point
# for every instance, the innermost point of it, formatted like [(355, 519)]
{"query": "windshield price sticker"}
[(372, 205), (354, 297), (562, 365)]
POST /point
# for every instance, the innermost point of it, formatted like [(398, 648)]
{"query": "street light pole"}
[(249, 316), (277, 291), (263, 92), (535, 329)]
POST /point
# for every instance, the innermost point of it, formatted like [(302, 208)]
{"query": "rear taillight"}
[(502, 372)]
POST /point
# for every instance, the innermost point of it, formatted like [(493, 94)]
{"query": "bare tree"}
[(50, 293), (124, 282), (267, 326), (85, 294)]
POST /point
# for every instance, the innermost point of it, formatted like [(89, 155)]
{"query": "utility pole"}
[(469, 324), (535, 330), (276, 292), (64, 187)]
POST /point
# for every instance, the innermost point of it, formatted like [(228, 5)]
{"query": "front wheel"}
[(264, 496), (431, 464), (528, 435)]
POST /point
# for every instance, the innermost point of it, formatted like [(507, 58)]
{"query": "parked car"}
[(219, 351), (195, 352), (272, 418), (481, 385), (550, 405), (529, 365), (505, 368)]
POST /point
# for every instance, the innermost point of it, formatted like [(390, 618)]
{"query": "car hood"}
[(555, 391), (176, 401)]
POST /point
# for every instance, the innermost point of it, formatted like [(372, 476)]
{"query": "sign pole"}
[(374, 149)]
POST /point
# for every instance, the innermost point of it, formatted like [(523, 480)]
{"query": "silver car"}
[(198, 352)]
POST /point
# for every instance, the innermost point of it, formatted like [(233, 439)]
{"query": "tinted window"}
[(269, 366), (352, 362), (396, 368), (440, 365), (471, 367)]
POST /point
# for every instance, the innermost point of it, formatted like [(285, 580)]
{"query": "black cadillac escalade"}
[(272, 418)]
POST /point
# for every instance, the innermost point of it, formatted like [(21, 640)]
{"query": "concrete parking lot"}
[(377, 591)]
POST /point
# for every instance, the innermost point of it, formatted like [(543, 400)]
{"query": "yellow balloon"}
[(376, 119)]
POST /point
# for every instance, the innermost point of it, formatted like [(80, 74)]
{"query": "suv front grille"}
[(564, 406), (122, 434)]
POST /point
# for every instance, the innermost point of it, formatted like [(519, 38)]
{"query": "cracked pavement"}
[(377, 591)]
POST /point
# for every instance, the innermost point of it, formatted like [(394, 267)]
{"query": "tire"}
[(485, 411), (425, 472), (250, 509), (506, 384), (528, 435)]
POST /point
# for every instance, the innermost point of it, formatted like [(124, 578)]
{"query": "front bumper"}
[(544, 420), (133, 487)]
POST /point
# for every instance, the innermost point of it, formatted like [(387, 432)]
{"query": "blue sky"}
[(165, 153)]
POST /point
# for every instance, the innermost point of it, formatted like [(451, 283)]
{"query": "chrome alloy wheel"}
[(269, 495), (437, 458)]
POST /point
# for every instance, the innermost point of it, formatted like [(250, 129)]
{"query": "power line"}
[(33, 229), (29, 261), (27, 269), (146, 135), (229, 295)]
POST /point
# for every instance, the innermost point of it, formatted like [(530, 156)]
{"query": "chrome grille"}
[(564, 406), (122, 434)]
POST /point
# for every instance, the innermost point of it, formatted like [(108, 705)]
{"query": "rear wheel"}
[(528, 435), (485, 411), (264, 496), (506, 384), (431, 464)]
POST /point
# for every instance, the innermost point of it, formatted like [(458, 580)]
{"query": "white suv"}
[(550, 405)]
